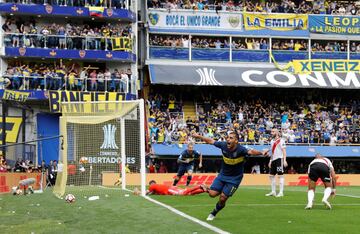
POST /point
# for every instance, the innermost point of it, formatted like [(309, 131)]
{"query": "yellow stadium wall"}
[(207, 178)]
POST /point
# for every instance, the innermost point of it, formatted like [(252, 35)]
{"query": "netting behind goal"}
[(103, 148)]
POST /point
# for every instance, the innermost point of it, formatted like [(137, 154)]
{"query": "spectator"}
[(162, 168)]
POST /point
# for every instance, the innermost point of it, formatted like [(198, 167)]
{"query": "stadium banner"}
[(329, 24), (9, 180), (52, 10), (256, 76), (110, 178), (124, 56), (292, 151), (277, 22), (56, 97), (325, 65), (194, 20), (122, 43), (19, 96), (12, 126)]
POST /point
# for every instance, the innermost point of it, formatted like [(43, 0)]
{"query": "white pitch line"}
[(195, 220), (347, 195), (256, 205)]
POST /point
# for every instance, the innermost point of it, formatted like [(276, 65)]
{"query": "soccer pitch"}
[(248, 211)]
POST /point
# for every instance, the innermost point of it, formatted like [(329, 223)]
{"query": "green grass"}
[(248, 211)]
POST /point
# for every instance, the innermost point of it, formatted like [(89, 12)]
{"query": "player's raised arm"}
[(206, 139), (264, 153)]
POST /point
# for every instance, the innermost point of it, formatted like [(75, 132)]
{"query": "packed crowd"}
[(296, 45), (329, 46), (327, 122), (77, 3), (276, 6), (19, 76), (252, 43), (65, 36)]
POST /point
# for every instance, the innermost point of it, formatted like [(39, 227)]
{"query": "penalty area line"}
[(182, 214)]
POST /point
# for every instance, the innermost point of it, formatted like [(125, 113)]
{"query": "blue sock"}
[(188, 180), (218, 207)]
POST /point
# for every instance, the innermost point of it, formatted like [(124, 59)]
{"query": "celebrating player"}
[(186, 161), (322, 168), (161, 189), (232, 168), (277, 162)]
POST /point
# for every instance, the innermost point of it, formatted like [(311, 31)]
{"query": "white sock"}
[(311, 195), (281, 183), (273, 184), (327, 193)]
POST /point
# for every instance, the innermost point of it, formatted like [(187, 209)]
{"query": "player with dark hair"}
[(160, 189), (232, 168), (186, 161), (277, 163), (322, 168)]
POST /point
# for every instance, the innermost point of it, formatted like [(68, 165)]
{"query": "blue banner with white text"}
[(333, 24)]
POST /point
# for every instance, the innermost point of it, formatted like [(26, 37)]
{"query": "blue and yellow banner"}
[(277, 22), (12, 129), (328, 24), (56, 97), (18, 96), (325, 65), (121, 43)]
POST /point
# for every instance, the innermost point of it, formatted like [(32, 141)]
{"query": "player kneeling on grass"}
[(322, 168), (26, 184), (160, 189), (232, 168)]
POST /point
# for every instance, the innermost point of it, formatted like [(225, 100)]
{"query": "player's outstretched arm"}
[(264, 153), (206, 139)]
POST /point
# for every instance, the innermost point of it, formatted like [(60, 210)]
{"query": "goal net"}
[(103, 148)]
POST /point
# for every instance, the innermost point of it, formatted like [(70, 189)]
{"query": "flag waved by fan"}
[(96, 11)]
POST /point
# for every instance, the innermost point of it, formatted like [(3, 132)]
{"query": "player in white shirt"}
[(277, 163), (322, 168)]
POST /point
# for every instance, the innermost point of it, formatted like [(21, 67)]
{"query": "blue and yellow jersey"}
[(191, 156), (233, 161), (60, 72)]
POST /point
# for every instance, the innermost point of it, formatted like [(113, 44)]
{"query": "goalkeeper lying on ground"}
[(160, 189)]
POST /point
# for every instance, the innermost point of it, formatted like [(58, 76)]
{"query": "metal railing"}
[(66, 83), (83, 42)]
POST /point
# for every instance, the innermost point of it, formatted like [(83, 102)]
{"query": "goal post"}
[(102, 147)]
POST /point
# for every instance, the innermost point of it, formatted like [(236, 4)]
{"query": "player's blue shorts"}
[(226, 184), (185, 167)]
